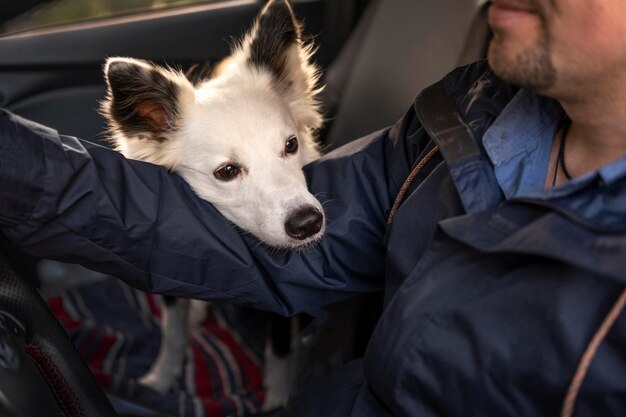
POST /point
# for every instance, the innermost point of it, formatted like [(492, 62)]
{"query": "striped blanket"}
[(117, 330)]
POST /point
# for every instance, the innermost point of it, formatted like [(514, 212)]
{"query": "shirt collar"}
[(519, 142)]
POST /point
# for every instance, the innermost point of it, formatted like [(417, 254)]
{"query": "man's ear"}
[(275, 43), (143, 100)]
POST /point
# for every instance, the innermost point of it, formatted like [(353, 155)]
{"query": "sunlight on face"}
[(557, 46)]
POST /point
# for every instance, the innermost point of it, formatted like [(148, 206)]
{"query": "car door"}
[(53, 74)]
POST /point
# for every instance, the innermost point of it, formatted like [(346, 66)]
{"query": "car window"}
[(63, 12)]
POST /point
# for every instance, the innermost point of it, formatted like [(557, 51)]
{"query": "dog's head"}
[(241, 138)]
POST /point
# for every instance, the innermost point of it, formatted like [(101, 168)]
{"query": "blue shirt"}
[(519, 142)]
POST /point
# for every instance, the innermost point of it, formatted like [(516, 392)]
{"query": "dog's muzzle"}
[(304, 223)]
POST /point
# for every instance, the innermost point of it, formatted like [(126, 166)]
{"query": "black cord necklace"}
[(565, 125)]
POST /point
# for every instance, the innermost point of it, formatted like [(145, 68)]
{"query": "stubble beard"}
[(532, 68)]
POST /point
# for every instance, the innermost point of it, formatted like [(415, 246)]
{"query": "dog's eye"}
[(291, 146), (227, 172)]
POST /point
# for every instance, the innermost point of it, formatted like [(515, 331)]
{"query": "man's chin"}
[(532, 68), (502, 61)]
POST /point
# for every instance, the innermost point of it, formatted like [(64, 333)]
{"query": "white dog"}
[(240, 139)]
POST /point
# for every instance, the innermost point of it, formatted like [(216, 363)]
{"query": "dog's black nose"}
[(304, 222)]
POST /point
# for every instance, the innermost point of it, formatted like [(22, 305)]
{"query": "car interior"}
[(376, 55)]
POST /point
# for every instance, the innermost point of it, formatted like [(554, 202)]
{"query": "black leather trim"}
[(19, 299)]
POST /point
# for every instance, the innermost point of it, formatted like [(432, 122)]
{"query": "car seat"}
[(398, 48)]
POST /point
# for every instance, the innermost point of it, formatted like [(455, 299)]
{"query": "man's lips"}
[(512, 5), (503, 12)]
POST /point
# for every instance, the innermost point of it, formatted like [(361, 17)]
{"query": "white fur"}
[(168, 366)]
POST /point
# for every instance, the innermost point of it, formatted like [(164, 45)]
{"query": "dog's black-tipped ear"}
[(275, 44), (143, 100), (275, 33)]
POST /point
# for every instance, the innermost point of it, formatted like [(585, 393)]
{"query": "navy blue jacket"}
[(489, 304)]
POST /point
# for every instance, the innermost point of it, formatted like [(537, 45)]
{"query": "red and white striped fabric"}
[(117, 330)]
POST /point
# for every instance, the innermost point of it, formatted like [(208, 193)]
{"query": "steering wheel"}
[(41, 372)]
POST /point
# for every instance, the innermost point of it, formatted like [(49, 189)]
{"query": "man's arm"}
[(70, 200)]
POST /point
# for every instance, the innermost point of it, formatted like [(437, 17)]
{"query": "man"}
[(503, 278)]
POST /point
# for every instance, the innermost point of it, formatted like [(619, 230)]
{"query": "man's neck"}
[(597, 135)]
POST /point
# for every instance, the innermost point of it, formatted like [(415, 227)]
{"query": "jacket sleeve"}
[(70, 200)]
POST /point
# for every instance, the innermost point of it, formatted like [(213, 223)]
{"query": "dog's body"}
[(240, 139)]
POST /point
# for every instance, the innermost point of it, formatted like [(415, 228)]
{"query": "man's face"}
[(558, 46)]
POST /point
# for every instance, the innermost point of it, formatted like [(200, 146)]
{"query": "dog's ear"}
[(143, 100), (275, 43), (275, 36)]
